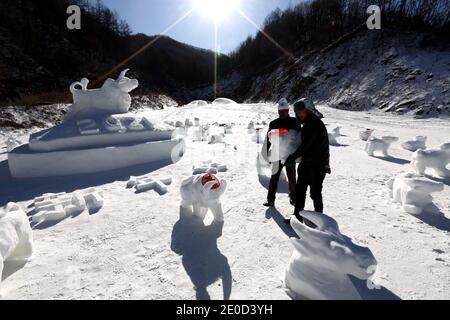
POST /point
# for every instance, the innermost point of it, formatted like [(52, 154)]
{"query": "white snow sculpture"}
[(145, 183), (336, 131), (112, 98), (52, 207), (283, 143), (259, 135), (251, 127), (209, 167), (322, 260), (188, 123), (413, 192), (332, 137), (435, 160), (16, 237), (197, 122), (381, 146), (203, 192), (179, 124), (201, 134), (216, 138), (366, 134), (228, 129), (414, 145)]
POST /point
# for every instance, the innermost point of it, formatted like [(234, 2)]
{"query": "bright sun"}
[(218, 10)]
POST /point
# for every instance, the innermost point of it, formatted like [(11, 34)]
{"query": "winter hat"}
[(307, 104), (283, 104)]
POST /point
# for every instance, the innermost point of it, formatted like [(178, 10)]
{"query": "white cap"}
[(283, 104)]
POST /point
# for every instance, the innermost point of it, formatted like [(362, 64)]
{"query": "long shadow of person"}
[(202, 260)]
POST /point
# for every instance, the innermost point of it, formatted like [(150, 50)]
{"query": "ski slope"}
[(127, 249)]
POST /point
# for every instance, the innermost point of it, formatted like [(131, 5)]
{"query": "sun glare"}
[(217, 10)]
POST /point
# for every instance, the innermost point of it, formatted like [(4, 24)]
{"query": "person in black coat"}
[(315, 156), (289, 123)]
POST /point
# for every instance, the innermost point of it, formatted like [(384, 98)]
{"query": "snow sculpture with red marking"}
[(202, 192)]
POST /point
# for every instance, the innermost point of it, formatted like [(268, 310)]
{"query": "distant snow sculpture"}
[(209, 167), (16, 237), (323, 259), (414, 145), (203, 192), (413, 191), (251, 127), (112, 98), (434, 160), (365, 135), (216, 138), (333, 135), (381, 146)]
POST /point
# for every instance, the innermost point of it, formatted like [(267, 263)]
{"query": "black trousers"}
[(273, 186), (312, 177)]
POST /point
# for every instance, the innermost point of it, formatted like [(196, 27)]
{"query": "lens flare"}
[(217, 10)]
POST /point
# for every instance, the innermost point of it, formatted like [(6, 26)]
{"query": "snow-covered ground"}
[(128, 249)]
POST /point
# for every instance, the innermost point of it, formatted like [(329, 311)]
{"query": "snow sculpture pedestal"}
[(322, 260), (97, 135)]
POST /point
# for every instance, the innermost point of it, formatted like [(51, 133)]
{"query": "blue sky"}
[(154, 16)]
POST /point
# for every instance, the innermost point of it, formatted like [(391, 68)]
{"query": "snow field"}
[(125, 251)]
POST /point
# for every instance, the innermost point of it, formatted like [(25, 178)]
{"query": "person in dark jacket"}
[(315, 156), (289, 123)]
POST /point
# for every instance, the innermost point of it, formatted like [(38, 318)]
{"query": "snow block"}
[(215, 138), (16, 236), (94, 200), (323, 259), (379, 146), (414, 145), (413, 191), (202, 192), (209, 167), (435, 160), (146, 183)]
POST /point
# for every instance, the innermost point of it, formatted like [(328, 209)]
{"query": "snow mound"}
[(228, 129), (366, 134), (414, 145), (323, 259), (209, 167), (333, 135), (336, 131), (202, 192), (16, 236), (58, 206), (224, 101), (112, 98), (198, 103), (379, 146), (435, 160), (283, 144), (146, 183), (413, 191)]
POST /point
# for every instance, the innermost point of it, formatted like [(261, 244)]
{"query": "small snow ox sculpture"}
[(436, 160), (112, 98), (365, 135), (322, 260), (375, 145), (413, 192), (16, 237), (414, 145), (203, 192)]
